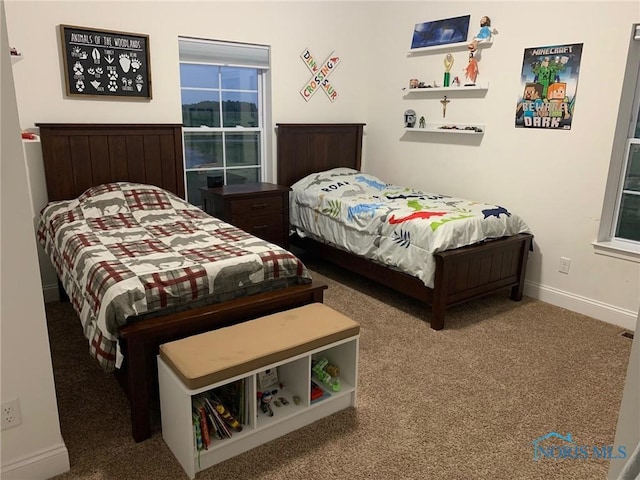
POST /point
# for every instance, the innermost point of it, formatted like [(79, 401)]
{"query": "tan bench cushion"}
[(210, 357)]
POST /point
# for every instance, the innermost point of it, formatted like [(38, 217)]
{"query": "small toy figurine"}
[(413, 83), (265, 403), (471, 72), (332, 370), (409, 118), (485, 33), (421, 123)]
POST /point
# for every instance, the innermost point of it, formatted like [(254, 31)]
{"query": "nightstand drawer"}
[(261, 209), (257, 206), (267, 227)]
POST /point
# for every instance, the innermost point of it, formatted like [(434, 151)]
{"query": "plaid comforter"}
[(125, 249)]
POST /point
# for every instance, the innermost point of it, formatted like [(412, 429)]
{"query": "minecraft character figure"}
[(558, 101)]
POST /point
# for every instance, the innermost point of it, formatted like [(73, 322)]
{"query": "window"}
[(223, 113), (628, 203), (619, 233)]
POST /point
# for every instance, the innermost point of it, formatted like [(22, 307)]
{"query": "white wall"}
[(554, 179), (33, 449)]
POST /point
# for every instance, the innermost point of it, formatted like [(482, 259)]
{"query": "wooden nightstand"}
[(261, 209)]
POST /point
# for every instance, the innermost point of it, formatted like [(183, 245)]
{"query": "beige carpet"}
[(463, 403)]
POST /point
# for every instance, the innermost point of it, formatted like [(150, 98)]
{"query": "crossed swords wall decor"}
[(320, 79)]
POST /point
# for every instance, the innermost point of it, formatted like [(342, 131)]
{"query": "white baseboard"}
[(586, 306), (39, 465)]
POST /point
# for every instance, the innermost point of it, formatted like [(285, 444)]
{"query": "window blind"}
[(223, 53)]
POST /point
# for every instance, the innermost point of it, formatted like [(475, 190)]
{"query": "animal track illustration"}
[(78, 53), (113, 81), (99, 71), (95, 84), (80, 85), (125, 62), (91, 71), (78, 68), (135, 64)]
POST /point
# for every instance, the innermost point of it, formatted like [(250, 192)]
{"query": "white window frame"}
[(607, 243), (264, 114)]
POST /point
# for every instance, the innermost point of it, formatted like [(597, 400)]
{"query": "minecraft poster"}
[(549, 83)]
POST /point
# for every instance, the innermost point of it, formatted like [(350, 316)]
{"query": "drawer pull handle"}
[(258, 205), (260, 227)]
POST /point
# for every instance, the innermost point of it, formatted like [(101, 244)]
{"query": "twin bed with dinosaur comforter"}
[(393, 225)]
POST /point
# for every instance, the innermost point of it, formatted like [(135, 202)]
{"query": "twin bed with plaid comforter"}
[(122, 250)]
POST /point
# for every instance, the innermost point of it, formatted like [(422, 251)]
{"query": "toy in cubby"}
[(327, 373)]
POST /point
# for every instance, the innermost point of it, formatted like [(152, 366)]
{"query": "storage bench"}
[(226, 366)]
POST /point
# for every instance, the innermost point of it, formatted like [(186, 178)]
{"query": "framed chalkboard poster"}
[(103, 63)]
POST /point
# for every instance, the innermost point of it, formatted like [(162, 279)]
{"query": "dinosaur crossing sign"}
[(320, 79)]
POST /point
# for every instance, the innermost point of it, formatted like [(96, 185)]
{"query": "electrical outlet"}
[(10, 414), (565, 263)]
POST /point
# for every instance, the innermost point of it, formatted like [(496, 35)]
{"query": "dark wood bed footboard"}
[(140, 342), (461, 274), (470, 272)]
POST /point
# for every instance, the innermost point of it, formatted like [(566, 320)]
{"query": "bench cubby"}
[(287, 341)]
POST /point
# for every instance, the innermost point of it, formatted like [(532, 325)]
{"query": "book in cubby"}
[(219, 413)]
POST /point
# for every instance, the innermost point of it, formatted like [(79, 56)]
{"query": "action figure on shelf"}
[(422, 122), (484, 35), (471, 72), (409, 118), (265, 403)]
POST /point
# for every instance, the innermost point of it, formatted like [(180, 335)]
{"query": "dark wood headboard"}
[(81, 155), (305, 148)]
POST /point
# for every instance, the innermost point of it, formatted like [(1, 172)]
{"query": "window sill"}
[(618, 249)]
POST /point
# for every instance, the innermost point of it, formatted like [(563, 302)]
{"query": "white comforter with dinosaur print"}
[(393, 225)]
